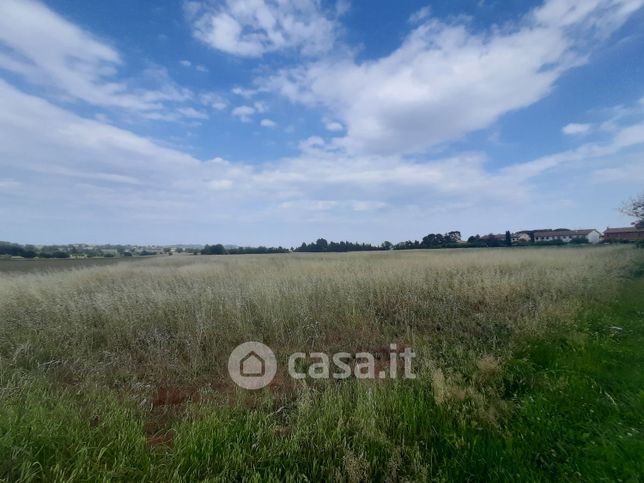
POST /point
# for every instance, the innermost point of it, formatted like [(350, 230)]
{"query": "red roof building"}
[(629, 234)]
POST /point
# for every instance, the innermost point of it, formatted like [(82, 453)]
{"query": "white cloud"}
[(244, 113), (213, 100), (100, 172), (313, 143), (601, 17), (9, 184), (333, 126), (75, 143), (442, 82), (420, 14), (310, 205), (48, 50), (447, 80), (574, 128), (624, 137), (367, 205), (251, 28), (260, 106), (192, 113), (628, 173), (197, 67), (70, 64), (243, 92), (220, 184), (328, 205)]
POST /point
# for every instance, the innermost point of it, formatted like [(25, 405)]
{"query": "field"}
[(58, 264), (529, 366)]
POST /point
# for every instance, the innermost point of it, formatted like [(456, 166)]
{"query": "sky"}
[(274, 122)]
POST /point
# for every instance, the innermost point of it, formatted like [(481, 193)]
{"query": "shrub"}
[(579, 241)]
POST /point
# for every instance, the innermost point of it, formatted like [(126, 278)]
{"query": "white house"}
[(520, 236), (592, 235)]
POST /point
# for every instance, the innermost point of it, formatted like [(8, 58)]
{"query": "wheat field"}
[(120, 370)]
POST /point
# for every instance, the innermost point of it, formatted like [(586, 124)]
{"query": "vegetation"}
[(529, 368), (321, 245), (29, 251), (8, 249), (451, 239), (219, 249), (50, 265), (433, 240), (490, 240), (635, 209), (550, 243)]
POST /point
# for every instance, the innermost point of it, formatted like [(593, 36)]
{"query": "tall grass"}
[(121, 370)]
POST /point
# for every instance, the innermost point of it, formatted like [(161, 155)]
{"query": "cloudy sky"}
[(279, 121)]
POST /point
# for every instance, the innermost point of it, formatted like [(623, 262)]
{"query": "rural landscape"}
[(528, 361), (321, 241)]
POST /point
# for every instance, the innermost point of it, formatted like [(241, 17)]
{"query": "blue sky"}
[(275, 122)]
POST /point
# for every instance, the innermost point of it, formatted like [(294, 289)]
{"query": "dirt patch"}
[(174, 395), (160, 439)]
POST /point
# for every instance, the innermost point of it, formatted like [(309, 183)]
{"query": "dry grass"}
[(178, 318), (126, 364)]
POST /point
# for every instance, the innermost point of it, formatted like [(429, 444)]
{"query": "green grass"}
[(580, 415), (557, 400)]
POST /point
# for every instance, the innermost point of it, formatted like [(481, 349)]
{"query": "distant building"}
[(628, 234), (520, 237), (566, 236)]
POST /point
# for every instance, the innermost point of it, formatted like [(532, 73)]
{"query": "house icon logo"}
[(252, 365)]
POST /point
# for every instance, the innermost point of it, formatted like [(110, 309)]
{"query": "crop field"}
[(528, 367), (18, 266)]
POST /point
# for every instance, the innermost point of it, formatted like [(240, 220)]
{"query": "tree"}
[(217, 249), (492, 240), (386, 245), (433, 240), (321, 244), (635, 208), (508, 238)]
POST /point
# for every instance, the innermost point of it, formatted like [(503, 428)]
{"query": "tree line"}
[(451, 239), (30, 251), (219, 249)]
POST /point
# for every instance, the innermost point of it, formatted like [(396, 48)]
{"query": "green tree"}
[(321, 244), (217, 249), (433, 240)]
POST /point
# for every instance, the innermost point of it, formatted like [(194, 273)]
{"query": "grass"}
[(34, 265), (119, 372), (584, 405)]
